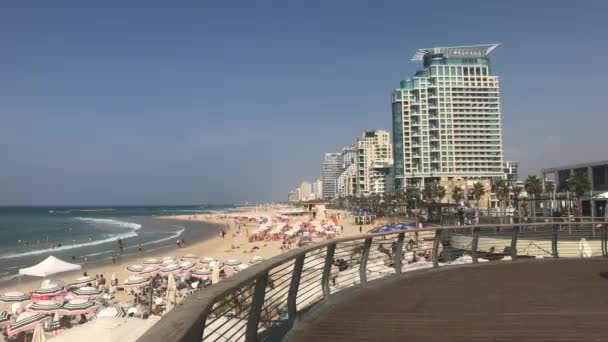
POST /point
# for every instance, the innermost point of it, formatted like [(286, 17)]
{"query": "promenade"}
[(538, 300)]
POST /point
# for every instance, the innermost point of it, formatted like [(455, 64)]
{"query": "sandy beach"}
[(235, 245)]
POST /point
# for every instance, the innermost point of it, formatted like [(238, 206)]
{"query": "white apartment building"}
[(347, 181), (305, 190), (317, 188), (373, 147), (511, 170), (447, 118)]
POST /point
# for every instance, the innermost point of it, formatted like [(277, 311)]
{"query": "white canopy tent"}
[(48, 267), (601, 196)]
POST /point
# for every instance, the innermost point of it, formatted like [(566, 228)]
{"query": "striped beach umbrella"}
[(5, 319), (232, 262), (202, 273), (113, 311), (149, 271), (26, 321), (135, 268), (44, 307), (82, 281), (136, 282), (256, 259), (152, 261), (241, 267), (175, 268), (186, 266), (168, 262), (53, 290), (13, 297), (191, 257), (206, 260), (77, 306), (88, 292), (168, 258)]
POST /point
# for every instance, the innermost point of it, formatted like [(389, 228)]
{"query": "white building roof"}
[(457, 51)]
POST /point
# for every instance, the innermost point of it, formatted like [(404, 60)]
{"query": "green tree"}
[(478, 191), (457, 194), (533, 186), (502, 191), (579, 184), (433, 192), (412, 196)]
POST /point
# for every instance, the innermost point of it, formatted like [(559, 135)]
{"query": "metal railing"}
[(264, 302)]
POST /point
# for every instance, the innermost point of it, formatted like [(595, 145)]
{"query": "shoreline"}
[(234, 246)]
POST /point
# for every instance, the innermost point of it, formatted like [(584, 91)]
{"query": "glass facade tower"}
[(447, 119)]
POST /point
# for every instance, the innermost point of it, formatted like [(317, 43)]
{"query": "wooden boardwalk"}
[(538, 300)]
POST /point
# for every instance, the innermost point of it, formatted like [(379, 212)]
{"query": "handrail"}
[(306, 273)]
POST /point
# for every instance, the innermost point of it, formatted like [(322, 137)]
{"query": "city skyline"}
[(103, 105)]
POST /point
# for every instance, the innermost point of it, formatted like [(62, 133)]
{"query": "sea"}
[(28, 235)]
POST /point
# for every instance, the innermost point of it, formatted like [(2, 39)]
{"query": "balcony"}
[(548, 292)]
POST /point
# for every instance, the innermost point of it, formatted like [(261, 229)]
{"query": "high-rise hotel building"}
[(447, 119)]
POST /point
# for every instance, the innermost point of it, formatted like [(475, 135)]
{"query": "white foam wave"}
[(175, 234), (123, 224), (68, 247)]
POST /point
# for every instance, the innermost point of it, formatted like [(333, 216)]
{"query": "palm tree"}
[(478, 191), (533, 186), (457, 194), (440, 192), (433, 192), (502, 190), (579, 184)]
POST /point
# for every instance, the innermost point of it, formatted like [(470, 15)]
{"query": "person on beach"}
[(140, 249), (361, 229)]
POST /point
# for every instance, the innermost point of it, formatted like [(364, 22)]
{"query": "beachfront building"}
[(292, 196), (306, 193), (595, 171), (332, 168), (374, 153), (317, 188), (349, 156), (510, 168), (381, 177), (347, 181), (447, 119)]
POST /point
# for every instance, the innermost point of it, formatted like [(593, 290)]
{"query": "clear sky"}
[(162, 102)]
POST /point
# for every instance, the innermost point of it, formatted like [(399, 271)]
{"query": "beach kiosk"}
[(315, 208)]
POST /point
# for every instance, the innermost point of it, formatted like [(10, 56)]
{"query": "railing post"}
[(292, 310), (436, 247), (474, 244), (604, 240), (259, 293), (363, 266), (554, 238), (329, 261), (398, 253), (514, 243)]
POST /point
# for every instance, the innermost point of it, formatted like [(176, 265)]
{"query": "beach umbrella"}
[(188, 265), (149, 271), (88, 292), (171, 292), (152, 261), (82, 281), (256, 259), (76, 307), (52, 290), (13, 297), (241, 267), (207, 260), (168, 262), (232, 262), (135, 268), (39, 335), (190, 257), (202, 273), (5, 319), (170, 269), (136, 282), (26, 322), (44, 307), (113, 311)]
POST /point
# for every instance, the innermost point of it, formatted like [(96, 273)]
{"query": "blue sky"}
[(155, 102)]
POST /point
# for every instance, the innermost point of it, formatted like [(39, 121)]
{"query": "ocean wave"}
[(123, 224), (68, 247), (175, 234)]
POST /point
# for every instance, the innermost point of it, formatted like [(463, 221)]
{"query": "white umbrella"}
[(232, 262), (190, 257), (76, 307), (170, 269), (44, 307), (256, 259), (13, 297), (202, 273), (152, 261), (171, 289), (207, 260), (82, 281), (39, 335), (26, 322), (136, 282), (187, 265), (113, 311), (149, 271), (88, 292), (135, 268)]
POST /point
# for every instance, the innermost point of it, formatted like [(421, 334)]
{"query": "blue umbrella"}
[(390, 228)]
